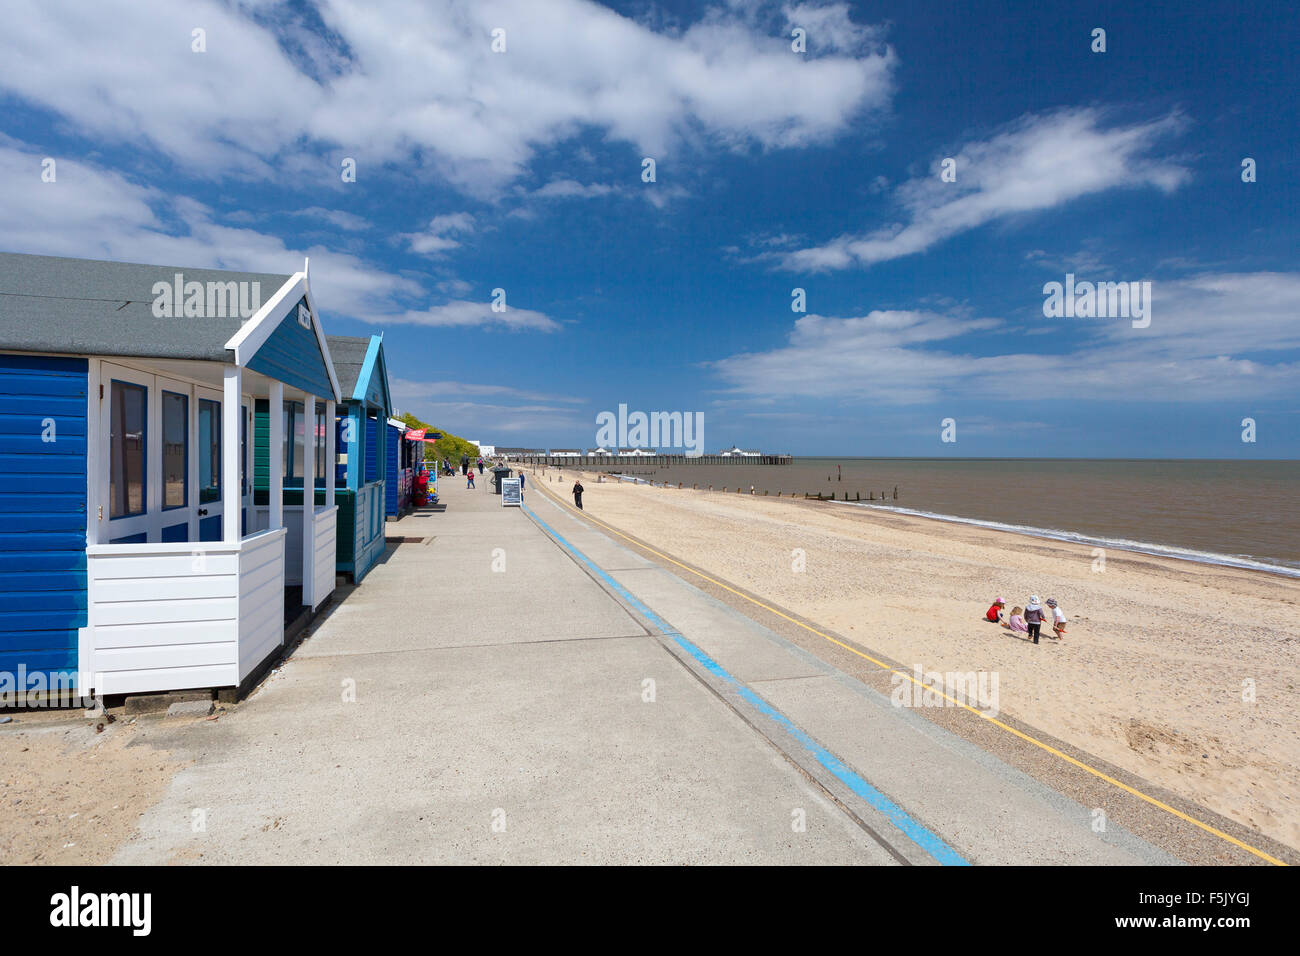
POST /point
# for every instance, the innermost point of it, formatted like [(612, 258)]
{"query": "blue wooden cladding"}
[(43, 596), (292, 354), (372, 449), (392, 472)]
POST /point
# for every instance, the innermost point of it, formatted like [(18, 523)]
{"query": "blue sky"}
[(775, 170)]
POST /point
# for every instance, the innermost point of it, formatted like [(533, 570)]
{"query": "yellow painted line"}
[(881, 664)]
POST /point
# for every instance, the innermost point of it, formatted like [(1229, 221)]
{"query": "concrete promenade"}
[(598, 709)]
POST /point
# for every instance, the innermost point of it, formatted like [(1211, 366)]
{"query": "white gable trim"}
[(253, 334)]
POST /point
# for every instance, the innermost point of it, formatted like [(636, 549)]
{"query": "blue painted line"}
[(927, 840)]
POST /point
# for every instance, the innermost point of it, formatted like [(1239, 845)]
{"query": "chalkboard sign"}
[(511, 493)]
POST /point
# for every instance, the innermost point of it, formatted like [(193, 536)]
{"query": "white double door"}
[(162, 444)]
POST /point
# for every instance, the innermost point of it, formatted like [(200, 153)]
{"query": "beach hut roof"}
[(89, 307), (361, 369)]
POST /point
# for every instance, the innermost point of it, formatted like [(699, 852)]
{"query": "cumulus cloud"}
[(417, 81), (1038, 163), (437, 237), (349, 222), (464, 312), (93, 213), (1214, 336)]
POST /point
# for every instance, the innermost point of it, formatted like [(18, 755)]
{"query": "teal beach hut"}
[(363, 439)]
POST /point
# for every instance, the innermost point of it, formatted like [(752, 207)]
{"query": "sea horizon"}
[(1229, 512)]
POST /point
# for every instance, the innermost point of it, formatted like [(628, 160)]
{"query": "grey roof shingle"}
[(90, 307), (348, 352)]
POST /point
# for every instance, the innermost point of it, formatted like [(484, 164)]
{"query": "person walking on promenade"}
[(469, 479), (577, 494)]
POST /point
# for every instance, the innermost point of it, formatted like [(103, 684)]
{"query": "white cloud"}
[(92, 213), (437, 236), (1215, 336), (1038, 163), (416, 82), (572, 189), (409, 390), (347, 221), (463, 312)]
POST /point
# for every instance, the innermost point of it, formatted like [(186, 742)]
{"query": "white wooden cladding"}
[(325, 536), (323, 566), (261, 598), (169, 617)]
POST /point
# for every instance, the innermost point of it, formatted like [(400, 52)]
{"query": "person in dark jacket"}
[(577, 494), (1034, 616)]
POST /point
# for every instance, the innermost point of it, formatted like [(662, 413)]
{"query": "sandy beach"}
[(1162, 657)]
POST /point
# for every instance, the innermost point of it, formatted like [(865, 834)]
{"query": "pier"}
[(618, 461)]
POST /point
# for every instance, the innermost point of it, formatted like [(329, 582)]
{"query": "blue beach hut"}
[(131, 555), (363, 437)]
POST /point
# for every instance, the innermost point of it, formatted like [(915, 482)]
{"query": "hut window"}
[(175, 462), (320, 443), (292, 456), (127, 450), (209, 451)]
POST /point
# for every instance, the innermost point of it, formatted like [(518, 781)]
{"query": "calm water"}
[(1232, 512)]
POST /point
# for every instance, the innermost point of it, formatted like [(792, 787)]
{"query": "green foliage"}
[(449, 446)]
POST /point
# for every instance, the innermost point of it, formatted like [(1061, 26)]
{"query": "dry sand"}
[(1153, 674), (71, 795)]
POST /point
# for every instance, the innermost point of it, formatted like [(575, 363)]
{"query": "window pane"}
[(294, 465), (320, 442), (126, 451), (175, 429), (299, 427), (209, 450)]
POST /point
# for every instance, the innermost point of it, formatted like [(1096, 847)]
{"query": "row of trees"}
[(449, 446)]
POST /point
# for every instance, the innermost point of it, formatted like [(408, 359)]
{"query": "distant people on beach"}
[(1058, 619), (577, 494), (1029, 620), (994, 613)]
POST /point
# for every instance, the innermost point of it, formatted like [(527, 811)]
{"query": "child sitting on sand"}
[(994, 613), (1017, 622), (1058, 619)]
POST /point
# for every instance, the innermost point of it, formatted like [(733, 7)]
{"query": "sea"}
[(1235, 513)]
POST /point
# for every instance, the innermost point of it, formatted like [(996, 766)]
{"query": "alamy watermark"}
[(206, 300), (47, 688), (654, 430), (921, 688), (1101, 300)]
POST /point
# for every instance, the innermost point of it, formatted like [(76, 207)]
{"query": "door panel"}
[(208, 450)]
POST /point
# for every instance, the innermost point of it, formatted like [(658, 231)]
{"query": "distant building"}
[(520, 452), (599, 452), (736, 451), (565, 453), (636, 452)]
